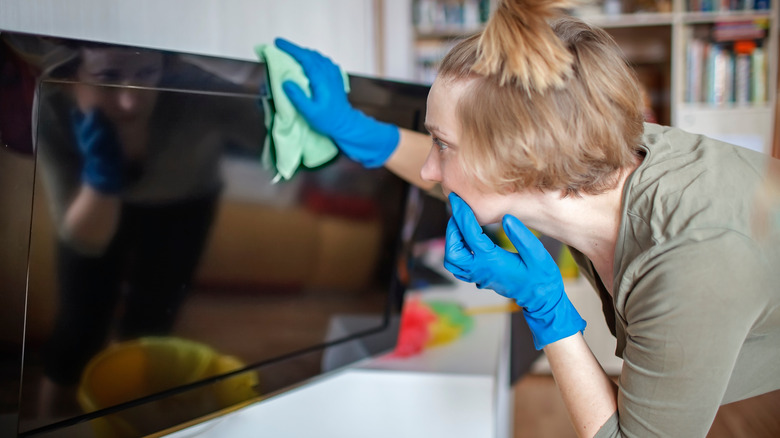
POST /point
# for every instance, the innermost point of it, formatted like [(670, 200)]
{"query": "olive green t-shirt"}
[(696, 306)]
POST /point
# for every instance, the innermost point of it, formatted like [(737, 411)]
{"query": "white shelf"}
[(450, 33), (726, 109), (712, 17), (640, 19), (749, 127)]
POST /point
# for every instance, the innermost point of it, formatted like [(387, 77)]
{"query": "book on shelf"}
[(725, 73), (695, 70), (743, 50), (430, 16), (718, 85), (738, 30), (759, 76), (427, 57), (727, 65), (728, 5)]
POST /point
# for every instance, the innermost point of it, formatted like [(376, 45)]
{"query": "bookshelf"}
[(438, 24), (672, 45), (727, 75)]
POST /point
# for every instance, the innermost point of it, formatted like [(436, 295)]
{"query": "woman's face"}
[(122, 67), (442, 164)]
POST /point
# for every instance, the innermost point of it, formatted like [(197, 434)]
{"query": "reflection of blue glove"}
[(530, 277), (102, 154), (328, 111)]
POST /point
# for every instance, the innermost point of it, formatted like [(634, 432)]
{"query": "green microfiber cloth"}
[(290, 141)]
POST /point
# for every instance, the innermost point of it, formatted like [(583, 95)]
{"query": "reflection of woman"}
[(539, 120), (133, 179)]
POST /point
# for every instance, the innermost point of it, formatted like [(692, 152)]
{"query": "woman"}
[(133, 180), (538, 121)]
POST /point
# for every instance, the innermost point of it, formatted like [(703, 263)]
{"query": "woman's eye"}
[(147, 75), (440, 144), (107, 76)]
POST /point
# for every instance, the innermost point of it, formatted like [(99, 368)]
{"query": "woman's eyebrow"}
[(431, 128)]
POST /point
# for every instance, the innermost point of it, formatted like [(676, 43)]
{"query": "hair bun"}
[(519, 46)]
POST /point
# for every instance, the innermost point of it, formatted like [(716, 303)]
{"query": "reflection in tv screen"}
[(170, 273)]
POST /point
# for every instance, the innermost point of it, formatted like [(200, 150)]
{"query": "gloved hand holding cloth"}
[(362, 138), (530, 276)]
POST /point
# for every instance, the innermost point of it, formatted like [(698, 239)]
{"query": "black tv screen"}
[(170, 272)]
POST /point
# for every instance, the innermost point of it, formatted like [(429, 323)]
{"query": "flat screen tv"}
[(167, 272)]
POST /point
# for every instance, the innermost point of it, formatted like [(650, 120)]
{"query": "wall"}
[(397, 35), (342, 29)]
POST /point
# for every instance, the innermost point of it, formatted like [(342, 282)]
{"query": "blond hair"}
[(570, 122)]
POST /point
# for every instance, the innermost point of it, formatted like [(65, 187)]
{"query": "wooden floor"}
[(539, 413)]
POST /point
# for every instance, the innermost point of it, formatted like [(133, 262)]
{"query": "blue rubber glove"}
[(529, 276), (362, 138), (100, 151)]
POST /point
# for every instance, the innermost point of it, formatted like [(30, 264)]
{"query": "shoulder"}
[(687, 184), (699, 272), (670, 148)]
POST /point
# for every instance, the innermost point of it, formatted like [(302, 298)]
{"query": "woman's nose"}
[(431, 170), (128, 100)]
